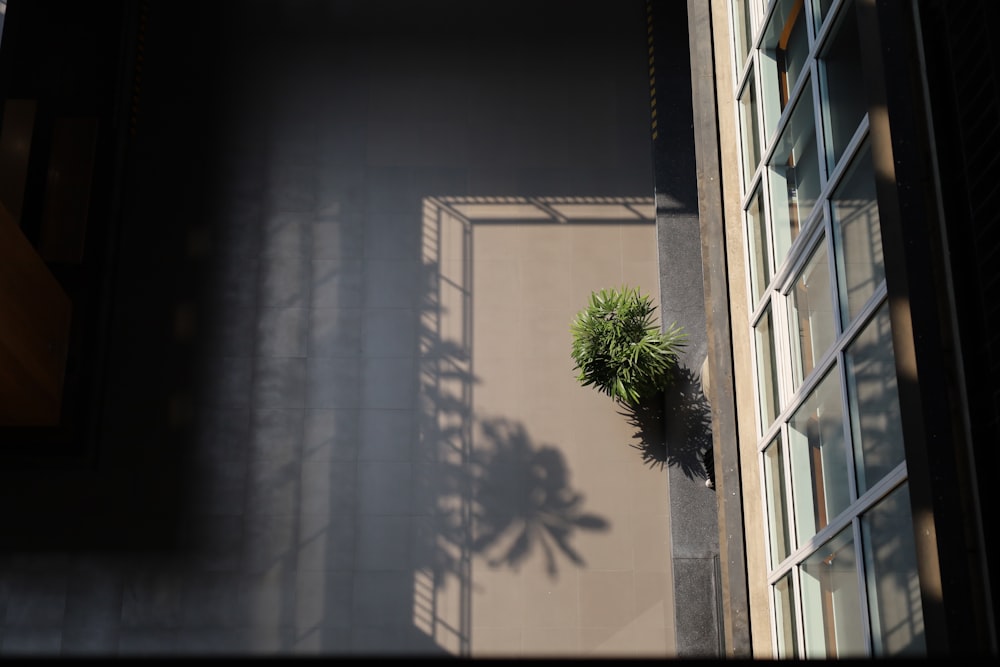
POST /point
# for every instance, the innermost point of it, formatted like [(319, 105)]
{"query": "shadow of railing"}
[(486, 489)]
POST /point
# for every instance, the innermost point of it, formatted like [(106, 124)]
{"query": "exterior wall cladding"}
[(932, 78)]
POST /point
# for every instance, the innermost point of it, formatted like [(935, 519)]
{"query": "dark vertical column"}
[(687, 424), (962, 60), (919, 297), (733, 571)]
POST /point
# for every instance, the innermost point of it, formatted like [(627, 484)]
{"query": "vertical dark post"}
[(687, 431), (733, 573)]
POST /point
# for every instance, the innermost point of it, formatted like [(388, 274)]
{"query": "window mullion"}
[(828, 21), (859, 558), (852, 477), (818, 123), (800, 629), (780, 354)]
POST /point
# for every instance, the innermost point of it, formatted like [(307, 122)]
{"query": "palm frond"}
[(617, 347)]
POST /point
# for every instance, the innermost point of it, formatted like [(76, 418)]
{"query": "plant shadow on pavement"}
[(524, 499), (674, 427)]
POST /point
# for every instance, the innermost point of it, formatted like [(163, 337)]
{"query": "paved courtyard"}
[(374, 242)]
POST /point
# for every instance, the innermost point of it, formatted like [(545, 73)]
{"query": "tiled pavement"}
[(377, 249)]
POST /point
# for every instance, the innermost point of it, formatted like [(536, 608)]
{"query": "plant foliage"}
[(619, 349)]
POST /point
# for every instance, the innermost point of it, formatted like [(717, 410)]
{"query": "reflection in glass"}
[(810, 315), (759, 251), (831, 601), (748, 123), (843, 94), (779, 530), (820, 10), (794, 177), (783, 52), (767, 370), (818, 459), (897, 617), (784, 611), (871, 390), (857, 237), (743, 30)]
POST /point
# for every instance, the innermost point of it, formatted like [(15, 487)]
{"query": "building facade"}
[(846, 231)]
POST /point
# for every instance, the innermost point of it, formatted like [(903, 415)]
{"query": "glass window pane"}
[(831, 601), (893, 585), (843, 95), (857, 237), (810, 315), (871, 390), (820, 10), (759, 251), (777, 501), (743, 30), (767, 371), (784, 610), (794, 176), (783, 52), (748, 122), (818, 459)]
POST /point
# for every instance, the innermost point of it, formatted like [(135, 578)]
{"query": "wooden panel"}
[(34, 331), (15, 148), (67, 189)]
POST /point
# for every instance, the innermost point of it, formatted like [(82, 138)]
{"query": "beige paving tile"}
[(653, 599), (603, 490), (550, 600), (550, 642), (639, 243), (493, 642), (550, 243), (593, 276), (545, 285), (551, 427), (643, 274), (607, 546), (496, 240), (497, 284), (546, 338), (497, 390), (653, 643), (630, 642), (607, 598), (601, 425), (496, 332), (607, 643), (497, 597), (596, 242), (647, 486), (545, 387), (650, 542)]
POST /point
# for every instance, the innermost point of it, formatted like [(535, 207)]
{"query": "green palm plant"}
[(619, 349)]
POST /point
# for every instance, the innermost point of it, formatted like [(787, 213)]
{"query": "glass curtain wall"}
[(842, 571)]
